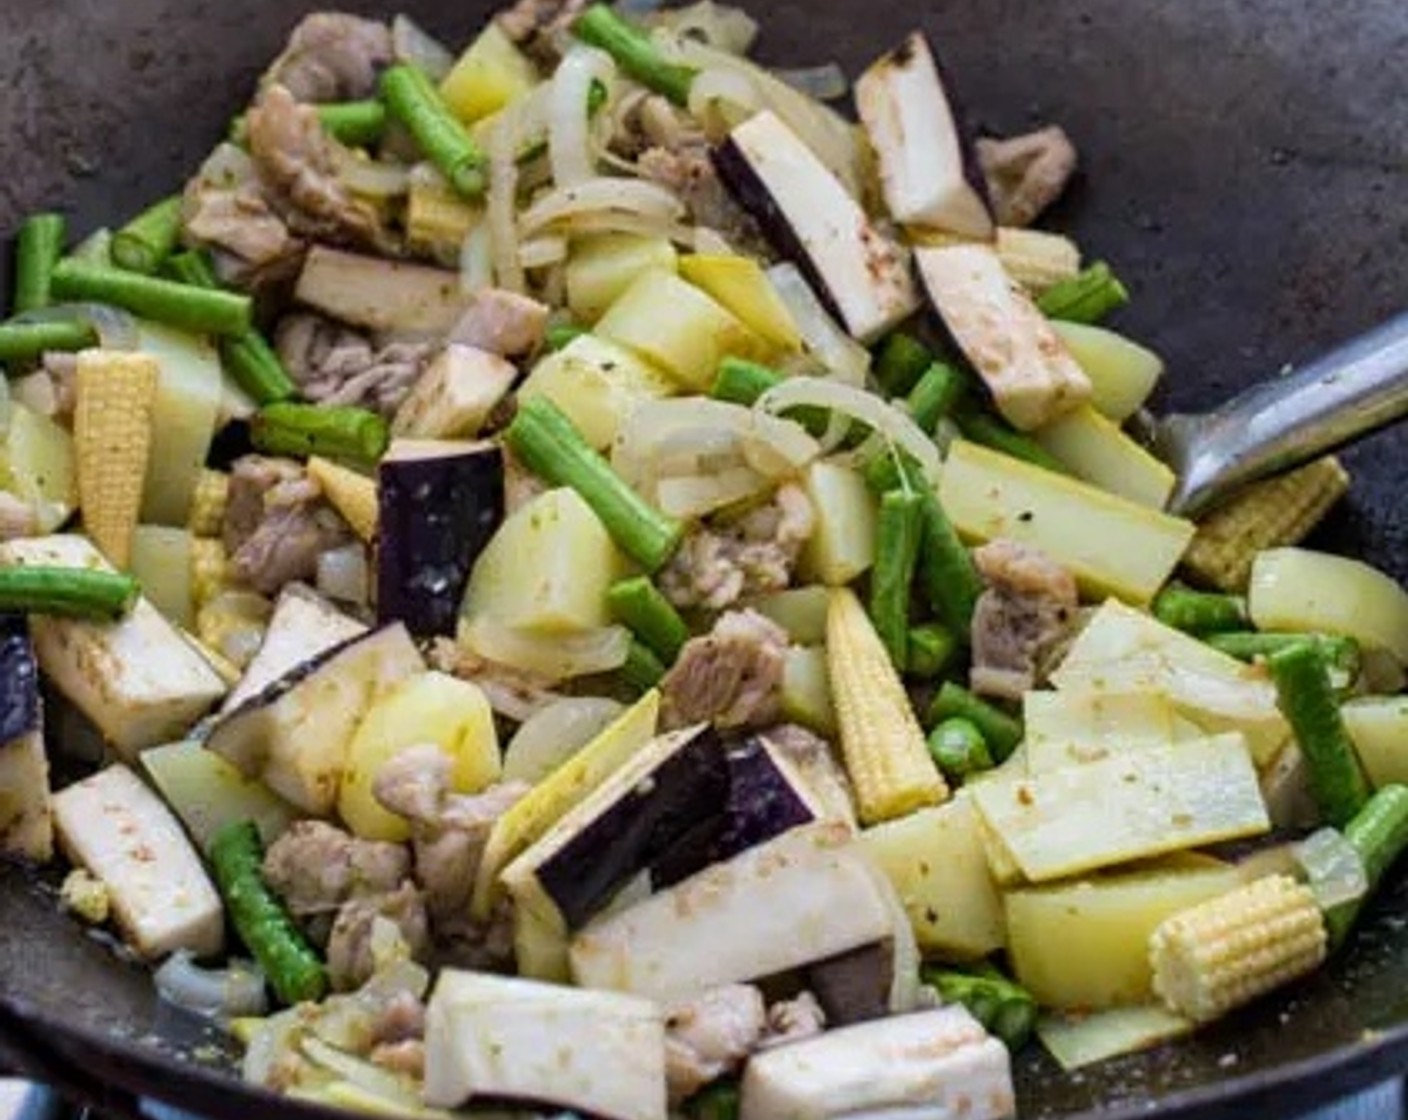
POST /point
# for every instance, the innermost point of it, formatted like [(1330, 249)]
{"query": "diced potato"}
[(842, 544), (161, 561), (1297, 589), (547, 569), (1085, 945), (679, 328), (452, 714), (741, 286), (1111, 545), (1122, 373), (183, 422), (801, 611), (936, 861), (1379, 727), (208, 793), (1065, 728), (601, 268), (490, 74), (38, 466), (1094, 448), (806, 690), (597, 384)]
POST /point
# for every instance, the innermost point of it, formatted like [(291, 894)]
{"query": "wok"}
[(1246, 168)]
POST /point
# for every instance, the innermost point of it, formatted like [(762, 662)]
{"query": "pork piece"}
[(1026, 174), (717, 567), (407, 1058), (333, 57), (224, 209), (298, 165), (335, 364), (710, 1035), (731, 676), (503, 323), (792, 1020), (1030, 604), (17, 518), (537, 26), (277, 523), (352, 959), (401, 1018)]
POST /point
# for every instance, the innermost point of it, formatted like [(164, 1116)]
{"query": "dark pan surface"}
[(1246, 171)]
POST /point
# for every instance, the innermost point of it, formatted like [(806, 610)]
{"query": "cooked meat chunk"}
[(401, 1018), (731, 676), (414, 783), (298, 164), (503, 323), (407, 1058), (792, 1020), (277, 523), (1026, 174), (717, 567), (1030, 604), (364, 925), (337, 365), (333, 57), (17, 518), (537, 25), (224, 209), (710, 1035)]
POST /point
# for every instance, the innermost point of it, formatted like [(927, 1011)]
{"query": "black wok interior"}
[(1245, 169)]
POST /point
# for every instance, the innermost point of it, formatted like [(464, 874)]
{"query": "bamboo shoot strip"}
[(1379, 833), (303, 430), (37, 250), (638, 605), (179, 305), (414, 102), (898, 532), (634, 53), (20, 342), (144, 243), (68, 592)]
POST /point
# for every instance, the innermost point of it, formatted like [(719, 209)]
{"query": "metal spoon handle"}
[(1351, 391)]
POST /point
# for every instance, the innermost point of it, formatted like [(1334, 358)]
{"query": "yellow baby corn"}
[(210, 569), (209, 503), (353, 495)]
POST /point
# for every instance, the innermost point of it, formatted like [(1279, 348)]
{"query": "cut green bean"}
[(1379, 833), (740, 381), (144, 243), (1306, 697), (550, 446), (642, 670), (932, 649), (638, 605), (1004, 1007), (70, 592), (263, 924), (1086, 298), (1000, 731), (959, 749), (935, 395), (304, 430), (38, 248), (1343, 653), (1200, 612), (22, 342), (179, 305), (719, 1101), (1000, 436), (562, 335), (899, 529), (95, 249), (900, 362), (358, 124), (634, 53), (415, 102)]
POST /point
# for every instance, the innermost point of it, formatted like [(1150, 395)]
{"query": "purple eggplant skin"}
[(437, 514), (20, 707), (853, 987)]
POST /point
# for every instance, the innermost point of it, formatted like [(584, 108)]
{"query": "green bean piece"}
[(562, 335), (900, 362), (719, 1101), (932, 649), (1000, 731), (179, 305), (550, 446), (935, 395), (1343, 653), (642, 670), (144, 243), (1306, 697), (89, 593), (959, 749), (1379, 833), (1004, 1007), (1086, 298), (740, 381), (415, 102), (303, 430), (634, 53), (899, 529), (1200, 612), (639, 606), (22, 342), (95, 249), (263, 924), (358, 124), (38, 248), (1000, 436)]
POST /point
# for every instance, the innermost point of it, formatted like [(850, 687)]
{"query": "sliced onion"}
[(412, 43), (399, 1093), (569, 123), (711, 243), (1333, 868), (602, 195), (344, 574), (605, 221), (720, 26), (554, 657), (275, 1037), (698, 451), (826, 82), (116, 329), (856, 404), (542, 252), (502, 200), (225, 993), (841, 355), (696, 496), (549, 737), (369, 178), (476, 260), (227, 166), (722, 99)]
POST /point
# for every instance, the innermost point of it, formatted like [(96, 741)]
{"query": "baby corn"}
[(208, 504), (353, 495)]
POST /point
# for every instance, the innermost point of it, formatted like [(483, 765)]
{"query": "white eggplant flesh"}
[(505, 1038), (303, 626), (809, 895), (917, 142), (455, 395), (138, 680), (26, 814), (381, 295), (122, 833), (929, 1065), (1021, 359)]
